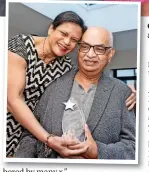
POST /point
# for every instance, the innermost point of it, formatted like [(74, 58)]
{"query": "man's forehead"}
[(95, 39)]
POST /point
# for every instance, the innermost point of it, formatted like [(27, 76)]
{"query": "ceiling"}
[(115, 17)]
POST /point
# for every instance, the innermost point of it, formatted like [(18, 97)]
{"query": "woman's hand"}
[(61, 145), (131, 101)]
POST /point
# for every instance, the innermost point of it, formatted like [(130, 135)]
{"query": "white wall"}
[(116, 18)]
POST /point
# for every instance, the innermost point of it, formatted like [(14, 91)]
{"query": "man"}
[(110, 128)]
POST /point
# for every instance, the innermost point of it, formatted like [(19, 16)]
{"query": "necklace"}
[(46, 60), (43, 54)]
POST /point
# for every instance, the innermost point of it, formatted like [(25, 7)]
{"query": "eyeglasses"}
[(98, 49)]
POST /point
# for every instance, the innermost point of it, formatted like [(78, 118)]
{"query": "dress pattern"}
[(38, 76)]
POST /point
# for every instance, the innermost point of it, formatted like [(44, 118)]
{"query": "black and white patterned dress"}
[(38, 76)]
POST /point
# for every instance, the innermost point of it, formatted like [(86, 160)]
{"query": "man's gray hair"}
[(110, 39)]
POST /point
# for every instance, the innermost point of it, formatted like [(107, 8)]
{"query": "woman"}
[(34, 63)]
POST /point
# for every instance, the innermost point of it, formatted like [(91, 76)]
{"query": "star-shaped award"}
[(69, 105)]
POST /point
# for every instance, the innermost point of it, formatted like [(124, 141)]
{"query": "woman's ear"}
[(50, 30)]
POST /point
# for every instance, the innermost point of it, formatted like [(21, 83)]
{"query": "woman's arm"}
[(16, 105)]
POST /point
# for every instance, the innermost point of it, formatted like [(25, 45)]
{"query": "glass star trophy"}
[(73, 121)]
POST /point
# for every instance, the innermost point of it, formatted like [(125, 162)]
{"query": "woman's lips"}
[(62, 48)]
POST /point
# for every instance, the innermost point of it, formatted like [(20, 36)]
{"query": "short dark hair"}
[(69, 16)]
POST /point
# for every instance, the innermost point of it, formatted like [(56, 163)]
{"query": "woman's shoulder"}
[(19, 44), (20, 39)]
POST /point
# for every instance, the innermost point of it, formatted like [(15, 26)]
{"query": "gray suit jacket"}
[(111, 124)]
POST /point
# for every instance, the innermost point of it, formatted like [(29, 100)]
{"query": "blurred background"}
[(121, 19)]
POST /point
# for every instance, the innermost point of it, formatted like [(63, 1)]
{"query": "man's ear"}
[(111, 54), (50, 30)]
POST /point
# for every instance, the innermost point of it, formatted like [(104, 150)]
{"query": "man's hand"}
[(61, 144), (131, 101), (92, 151)]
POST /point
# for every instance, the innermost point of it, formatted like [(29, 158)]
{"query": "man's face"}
[(94, 51)]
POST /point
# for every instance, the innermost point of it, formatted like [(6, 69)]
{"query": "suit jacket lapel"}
[(100, 101)]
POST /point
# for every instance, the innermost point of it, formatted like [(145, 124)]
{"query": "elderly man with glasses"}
[(85, 110)]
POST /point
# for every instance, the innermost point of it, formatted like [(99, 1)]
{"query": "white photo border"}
[(73, 161)]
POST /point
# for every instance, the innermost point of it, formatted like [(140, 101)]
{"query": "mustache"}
[(91, 59)]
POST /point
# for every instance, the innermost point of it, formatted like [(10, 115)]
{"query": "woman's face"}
[(64, 38)]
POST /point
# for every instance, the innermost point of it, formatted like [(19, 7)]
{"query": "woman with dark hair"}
[(33, 63)]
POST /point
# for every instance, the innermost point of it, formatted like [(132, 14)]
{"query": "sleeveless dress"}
[(38, 76)]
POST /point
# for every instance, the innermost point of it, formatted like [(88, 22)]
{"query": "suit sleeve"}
[(125, 148)]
